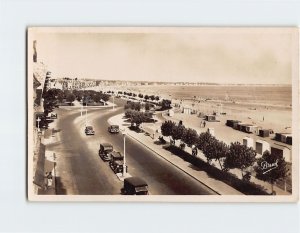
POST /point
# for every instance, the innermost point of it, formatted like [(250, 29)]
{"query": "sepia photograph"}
[(163, 114)]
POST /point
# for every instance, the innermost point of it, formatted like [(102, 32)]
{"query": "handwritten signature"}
[(268, 166)]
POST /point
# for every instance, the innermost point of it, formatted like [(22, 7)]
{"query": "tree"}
[(146, 97), (138, 118), (129, 113), (70, 97), (141, 95), (178, 132), (167, 128), (209, 148), (97, 97), (239, 156), (147, 106), (190, 137), (157, 98), (203, 140), (105, 97), (165, 104), (219, 151), (152, 97), (50, 99), (133, 105), (271, 167)]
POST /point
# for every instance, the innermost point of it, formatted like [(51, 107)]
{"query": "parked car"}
[(89, 130), (135, 186), (114, 129), (105, 151), (116, 162), (53, 115)]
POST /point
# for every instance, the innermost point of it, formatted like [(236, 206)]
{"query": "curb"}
[(175, 165)]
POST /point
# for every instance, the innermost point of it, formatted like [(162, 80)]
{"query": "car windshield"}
[(142, 189), (89, 128)]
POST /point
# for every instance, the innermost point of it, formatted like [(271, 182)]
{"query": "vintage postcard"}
[(170, 114)]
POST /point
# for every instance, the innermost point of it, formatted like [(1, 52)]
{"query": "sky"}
[(236, 55)]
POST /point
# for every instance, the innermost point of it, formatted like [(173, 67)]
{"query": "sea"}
[(275, 95)]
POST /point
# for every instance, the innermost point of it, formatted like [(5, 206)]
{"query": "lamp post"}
[(113, 102), (38, 121), (81, 106), (124, 161), (85, 116)]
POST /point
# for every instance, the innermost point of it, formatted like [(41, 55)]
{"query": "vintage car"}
[(89, 130), (105, 151), (135, 186), (114, 129), (116, 162), (53, 115)]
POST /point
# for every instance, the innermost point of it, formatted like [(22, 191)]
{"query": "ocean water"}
[(269, 95)]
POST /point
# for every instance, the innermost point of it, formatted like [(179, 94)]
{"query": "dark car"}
[(135, 186), (53, 115), (116, 162), (114, 129), (105, 151), (89, 130)]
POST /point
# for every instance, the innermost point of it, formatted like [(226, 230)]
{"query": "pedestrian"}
[(46, 181), (49, 179), (263, 118), (204, 124)]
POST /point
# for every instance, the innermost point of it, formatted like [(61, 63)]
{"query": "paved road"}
[(81, 171)]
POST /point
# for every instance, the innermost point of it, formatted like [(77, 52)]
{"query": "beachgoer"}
[(49, 179)]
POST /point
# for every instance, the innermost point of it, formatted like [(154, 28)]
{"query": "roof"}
[(116, 154), (135, 181), (261, 141), (280, 147), (105, 144)]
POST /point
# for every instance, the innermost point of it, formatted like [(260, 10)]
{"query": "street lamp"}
[(38, 121), (113, 102), (81, 106), (124, 161)]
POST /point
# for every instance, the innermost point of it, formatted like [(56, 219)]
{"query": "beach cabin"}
[(170, 113), (243, 127), (251, 129), (211, 131), (289, 140), (232, 123), (283, 137), (210, 118), (282, 150), (186, 110), (247, 141), (264, 133), (261, 146)]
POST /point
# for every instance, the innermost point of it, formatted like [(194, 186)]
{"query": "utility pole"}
[(113, 102), (81, 101), (124, 161), (85, 116), (38, 121)]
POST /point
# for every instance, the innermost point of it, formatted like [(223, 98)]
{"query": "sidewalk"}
[(216, 185)]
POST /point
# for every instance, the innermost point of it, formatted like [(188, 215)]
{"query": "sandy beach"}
[(268, 107)]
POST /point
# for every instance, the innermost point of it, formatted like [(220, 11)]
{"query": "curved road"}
[(81, 171)]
